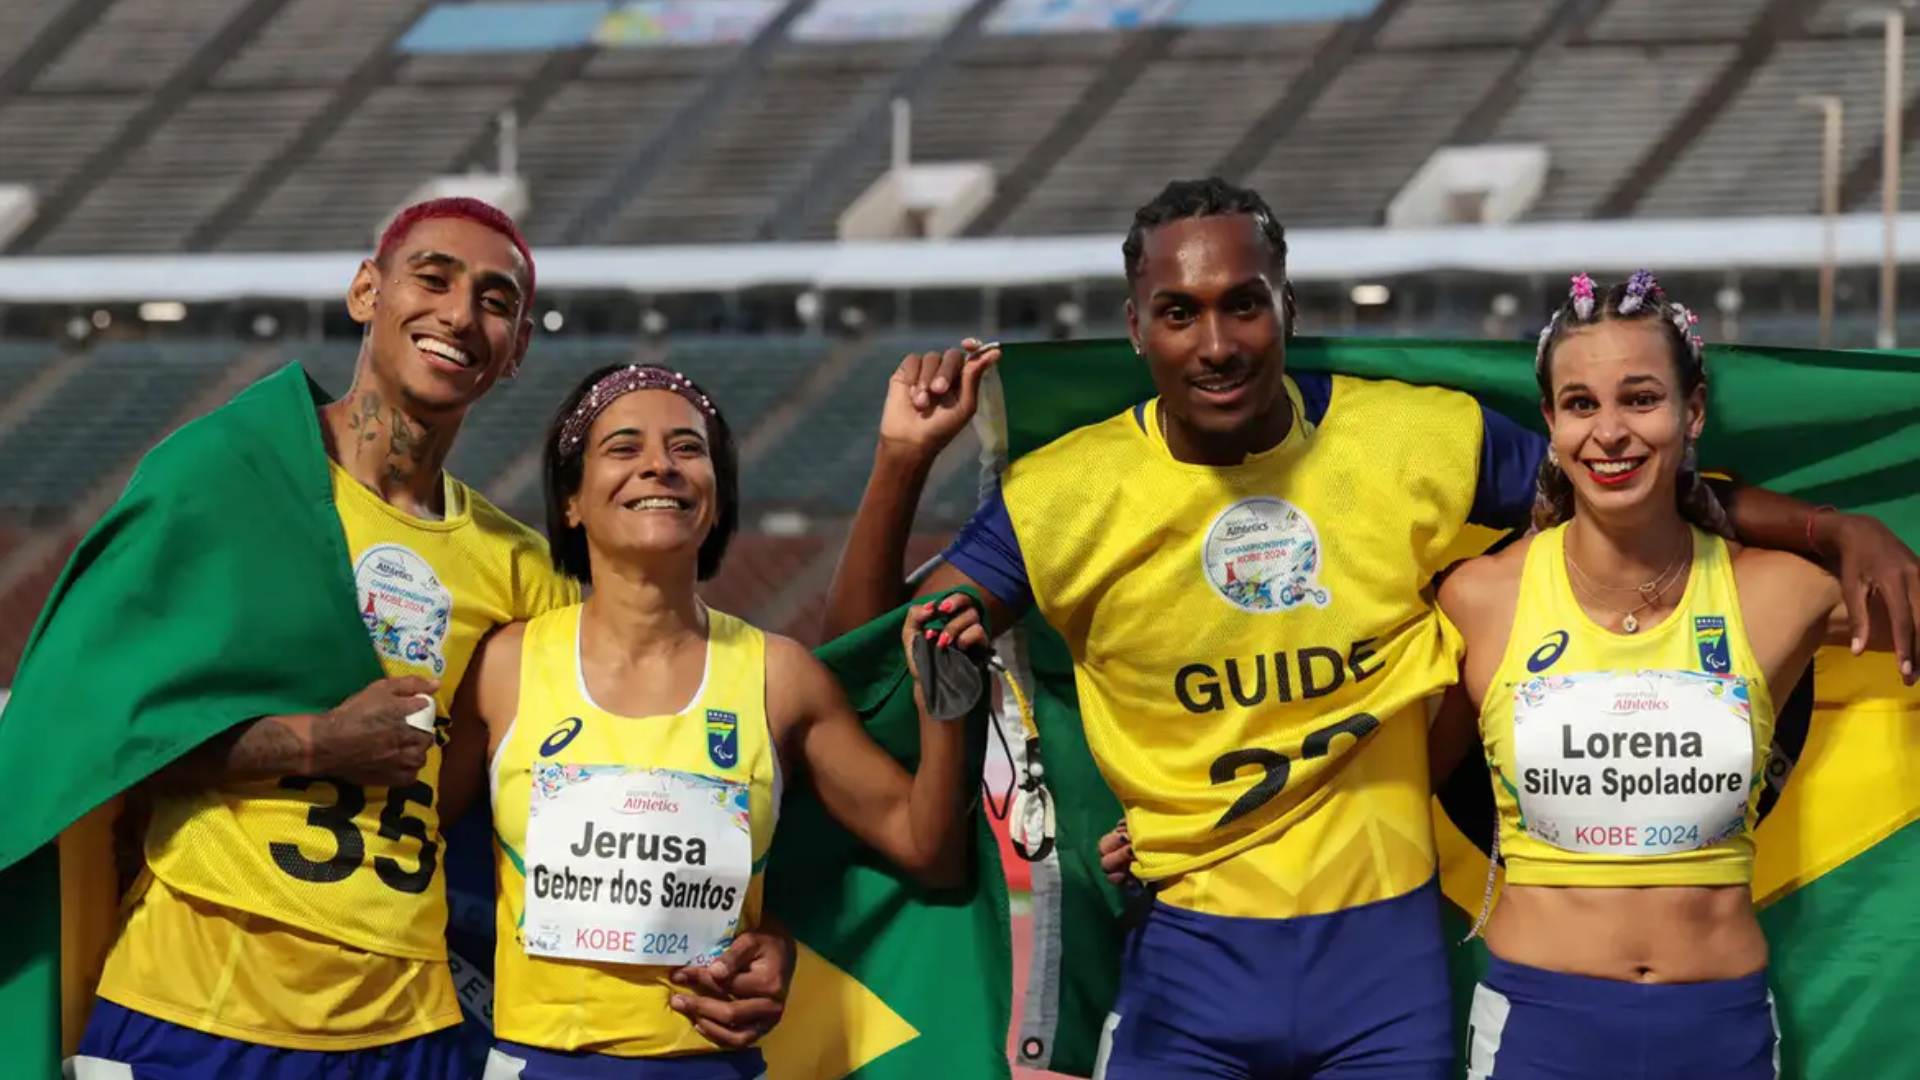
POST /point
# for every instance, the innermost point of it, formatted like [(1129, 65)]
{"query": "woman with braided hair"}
[(1623, 661)]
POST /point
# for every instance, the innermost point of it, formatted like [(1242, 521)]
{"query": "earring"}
[(1690, 461), (1553, 456)]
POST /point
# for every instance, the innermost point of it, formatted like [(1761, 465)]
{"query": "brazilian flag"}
[(158, 636), (1837, 876)]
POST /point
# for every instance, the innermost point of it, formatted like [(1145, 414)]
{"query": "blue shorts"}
[(1361, 994), (1527, 1023), (514, 1061), (117, 1038)]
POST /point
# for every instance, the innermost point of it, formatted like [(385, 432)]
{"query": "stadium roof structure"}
[(1317, 255)]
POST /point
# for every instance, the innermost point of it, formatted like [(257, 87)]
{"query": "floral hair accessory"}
[(1684, 320), (618, 384), (1639, 286), (1582, 296)]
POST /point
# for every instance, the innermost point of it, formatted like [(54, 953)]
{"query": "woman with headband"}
[(1624, 661), (638, 742)]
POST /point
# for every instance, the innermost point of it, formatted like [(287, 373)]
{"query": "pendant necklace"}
[(1648, 591)]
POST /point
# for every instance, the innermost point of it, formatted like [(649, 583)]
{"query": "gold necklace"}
[(1650, 592)]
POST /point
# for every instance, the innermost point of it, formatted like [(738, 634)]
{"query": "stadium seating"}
[(728, 183), (508, 423), (567, 147), (142, 138), (1757, 158), (1384, 115), (1180, 113), (824, 460), (123, 399), (20, 364), (1600, 109)]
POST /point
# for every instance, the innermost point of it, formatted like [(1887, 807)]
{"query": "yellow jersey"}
[(625, 847), (1627, 759), (310, 913), (1254, 646)]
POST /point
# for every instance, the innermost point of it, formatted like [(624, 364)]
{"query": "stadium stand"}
[(20, 364), (122, 400), (262, 125), (1159, 117), (725, 186), (169, 126)]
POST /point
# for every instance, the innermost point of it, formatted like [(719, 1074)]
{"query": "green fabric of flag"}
[(943, 963), (219, 588), (1836, 880)]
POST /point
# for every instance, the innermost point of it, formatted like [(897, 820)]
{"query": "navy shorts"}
[(1529, 1024), (513, 1061), (120, 1044), (1361, 994)]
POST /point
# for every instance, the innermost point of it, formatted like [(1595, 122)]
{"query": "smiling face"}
[(445, 312), (1206, 311), (648, 485), (1620, 416)]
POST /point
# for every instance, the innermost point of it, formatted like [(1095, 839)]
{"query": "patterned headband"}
[(618, 384)]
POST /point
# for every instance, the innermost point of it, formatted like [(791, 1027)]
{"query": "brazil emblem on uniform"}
[(1710, 634), (723, 738)]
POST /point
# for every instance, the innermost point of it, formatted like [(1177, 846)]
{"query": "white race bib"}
[(1633, 763), (628, 865)]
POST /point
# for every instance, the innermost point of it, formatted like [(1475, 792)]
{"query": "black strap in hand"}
[(951, 679)]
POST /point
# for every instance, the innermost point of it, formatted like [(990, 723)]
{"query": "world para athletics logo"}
[(1262, 554)]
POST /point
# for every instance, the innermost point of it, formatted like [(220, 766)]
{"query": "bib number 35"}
[(350, 846), (1277, 767)]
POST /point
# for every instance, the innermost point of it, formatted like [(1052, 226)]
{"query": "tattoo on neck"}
[(409, 442), (408, 445), (363, 415)]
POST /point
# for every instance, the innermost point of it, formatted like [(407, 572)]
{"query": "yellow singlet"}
[(309, 913), (625, 847), (1253, 645), (1627, 759)]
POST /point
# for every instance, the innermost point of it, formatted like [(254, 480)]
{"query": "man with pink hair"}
[(290, 916)]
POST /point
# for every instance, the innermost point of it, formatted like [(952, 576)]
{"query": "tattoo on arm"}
[(262, 749)]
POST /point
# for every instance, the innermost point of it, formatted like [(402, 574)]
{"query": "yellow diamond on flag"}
[(833, 1025), (1857, 780)]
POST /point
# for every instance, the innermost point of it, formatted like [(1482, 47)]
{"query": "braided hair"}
[(1183, 200), (1639, 298)]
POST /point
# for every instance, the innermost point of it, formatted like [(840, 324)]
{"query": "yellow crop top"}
[(1627, 759)]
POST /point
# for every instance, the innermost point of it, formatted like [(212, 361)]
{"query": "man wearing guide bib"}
[(1240, 568)]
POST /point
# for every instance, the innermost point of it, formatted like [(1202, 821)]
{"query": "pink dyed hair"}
[(466, 209)]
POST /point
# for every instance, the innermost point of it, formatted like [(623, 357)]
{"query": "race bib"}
[(629, 865), (1641, 763)]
